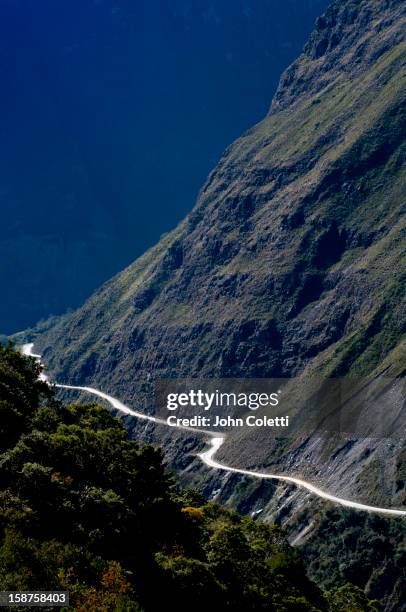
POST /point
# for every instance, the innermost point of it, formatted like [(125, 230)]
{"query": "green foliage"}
[(349, 598), (85, 509), (20, 393), (366, 550)]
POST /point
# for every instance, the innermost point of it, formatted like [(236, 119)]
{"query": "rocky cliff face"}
[(291, 262)]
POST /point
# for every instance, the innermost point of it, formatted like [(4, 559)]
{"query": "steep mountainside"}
[(292, 261), (84, 509), (110, 123)]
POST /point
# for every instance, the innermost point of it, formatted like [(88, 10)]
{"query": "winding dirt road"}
[(215, 442)]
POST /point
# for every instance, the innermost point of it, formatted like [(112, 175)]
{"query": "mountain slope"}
[(291, 263), (85, 132), (84, 509)]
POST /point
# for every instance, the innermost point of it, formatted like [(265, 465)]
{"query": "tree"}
[(349, 598)]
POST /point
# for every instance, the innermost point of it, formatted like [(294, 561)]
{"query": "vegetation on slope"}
[(364, 549), (85, 509)]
